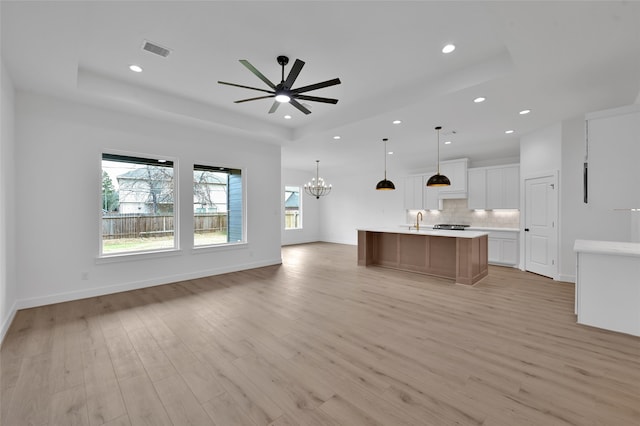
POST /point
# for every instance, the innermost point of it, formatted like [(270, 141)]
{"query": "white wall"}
[(540, 154), (7, 202), (578, 220), (310, 231), (354, 202), (58, 153)]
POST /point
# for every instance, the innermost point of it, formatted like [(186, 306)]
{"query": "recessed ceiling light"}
[(447, 143), (336, 137), (287, 117), (448, 48), (390, 152), (479, 99), (525, 111), (508, 131), (135, 68), (397, 121)]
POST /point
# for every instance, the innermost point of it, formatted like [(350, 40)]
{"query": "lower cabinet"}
[(503, 248)]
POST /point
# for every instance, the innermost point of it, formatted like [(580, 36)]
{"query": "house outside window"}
[(292, 208), (137, 205), (218, 210)]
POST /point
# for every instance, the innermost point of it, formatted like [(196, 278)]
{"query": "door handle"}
[(526, 229)]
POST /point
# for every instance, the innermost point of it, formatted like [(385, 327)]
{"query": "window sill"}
[(134, 256), (219, 247)]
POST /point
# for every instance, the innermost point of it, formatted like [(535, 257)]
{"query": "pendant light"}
[(384, 184), (438, 179), (317, 187)]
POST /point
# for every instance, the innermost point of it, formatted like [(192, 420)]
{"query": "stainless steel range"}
[(450, 226)]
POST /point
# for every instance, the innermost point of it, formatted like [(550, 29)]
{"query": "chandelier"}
[(317, 187)]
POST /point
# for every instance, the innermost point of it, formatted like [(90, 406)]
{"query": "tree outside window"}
[(137, 205)]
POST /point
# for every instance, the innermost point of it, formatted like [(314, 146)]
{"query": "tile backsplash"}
[(456, 211)]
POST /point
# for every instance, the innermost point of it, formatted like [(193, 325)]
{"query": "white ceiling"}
[(559, 59)]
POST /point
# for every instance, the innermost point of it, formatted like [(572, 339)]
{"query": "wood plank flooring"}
[(320, 341)]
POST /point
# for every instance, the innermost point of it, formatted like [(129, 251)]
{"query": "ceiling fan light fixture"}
[(282, 98)]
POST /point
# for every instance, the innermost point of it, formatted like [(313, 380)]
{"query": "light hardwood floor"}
[(320, 341)]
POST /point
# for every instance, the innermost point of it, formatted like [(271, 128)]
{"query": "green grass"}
[(125, 245)]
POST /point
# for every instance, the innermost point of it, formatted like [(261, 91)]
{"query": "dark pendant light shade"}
[(438, 179), (384, 184)]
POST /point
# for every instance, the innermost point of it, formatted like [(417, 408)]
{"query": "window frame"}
[(244, 221), (155, 252), (300, 208)]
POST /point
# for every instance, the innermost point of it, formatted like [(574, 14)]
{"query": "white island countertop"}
[(429, 232), (607, 247)]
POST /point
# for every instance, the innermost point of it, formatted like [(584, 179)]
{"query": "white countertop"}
[(429, 232), (607, 247), (471, 228)]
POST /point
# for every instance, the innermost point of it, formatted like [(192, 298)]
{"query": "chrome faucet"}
[(419, 215)]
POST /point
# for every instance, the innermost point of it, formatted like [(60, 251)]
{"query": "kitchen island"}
[(608, 285), (458, 255)]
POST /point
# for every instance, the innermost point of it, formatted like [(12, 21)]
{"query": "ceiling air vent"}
[(156, 49)]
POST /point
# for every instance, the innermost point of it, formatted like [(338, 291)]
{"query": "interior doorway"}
[(541, 225)]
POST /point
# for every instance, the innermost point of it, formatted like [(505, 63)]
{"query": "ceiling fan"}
[(284, 92)]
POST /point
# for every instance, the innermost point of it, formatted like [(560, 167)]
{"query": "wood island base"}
[(461, 258)]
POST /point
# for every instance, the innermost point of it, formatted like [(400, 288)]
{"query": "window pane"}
[(137, 204), (217, 205), (292, 208)]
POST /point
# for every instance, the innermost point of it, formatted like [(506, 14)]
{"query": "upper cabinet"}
[(494, 187), (477, 180), (613, 138), (456, 171), (413, 193), (417, 196), (430, 195)]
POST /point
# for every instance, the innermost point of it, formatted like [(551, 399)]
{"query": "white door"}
[(540, 225)]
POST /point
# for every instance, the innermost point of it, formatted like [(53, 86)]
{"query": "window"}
[(292, 208), (137, 204), (217, 206)]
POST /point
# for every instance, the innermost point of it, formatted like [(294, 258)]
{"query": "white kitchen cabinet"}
[(494, 187), (413, 192), (430, 195), (503, 187), (503, 248), (613, 157), (607, 291), (417, 196), (456, 171), (477, 186)]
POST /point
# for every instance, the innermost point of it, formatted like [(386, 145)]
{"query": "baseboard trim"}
[(567, 278), (135, 285), (6, 323)]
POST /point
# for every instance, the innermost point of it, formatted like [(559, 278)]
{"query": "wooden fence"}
[(148, 226), (292, 219)]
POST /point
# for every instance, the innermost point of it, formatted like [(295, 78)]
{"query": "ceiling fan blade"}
[(257, 73), (293, 74), (316, 86), (274, 107), (245, 87), (316, 99), (299, 106), (253, 99)]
